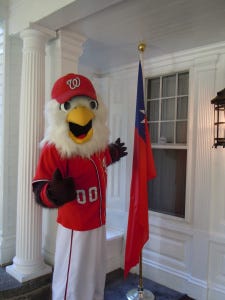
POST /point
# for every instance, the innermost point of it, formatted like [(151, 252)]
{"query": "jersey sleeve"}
[(48, 162), (108, 158)]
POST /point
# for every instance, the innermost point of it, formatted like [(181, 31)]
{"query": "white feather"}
[(57, 130)]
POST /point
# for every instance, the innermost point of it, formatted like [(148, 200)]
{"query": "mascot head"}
[(76, 119)]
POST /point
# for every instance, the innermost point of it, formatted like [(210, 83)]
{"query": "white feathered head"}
[(76, 119)]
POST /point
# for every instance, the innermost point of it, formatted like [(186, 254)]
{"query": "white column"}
[(28, 262), (9, 148), (62, 57)]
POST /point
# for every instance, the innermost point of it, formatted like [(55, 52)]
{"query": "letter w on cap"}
[(73, 83)]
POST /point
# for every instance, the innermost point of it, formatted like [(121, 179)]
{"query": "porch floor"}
[(116, 287)]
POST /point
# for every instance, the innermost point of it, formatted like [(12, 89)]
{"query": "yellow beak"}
[(80, 124)]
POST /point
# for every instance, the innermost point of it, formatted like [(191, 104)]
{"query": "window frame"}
[(172, 145), (187, 146)]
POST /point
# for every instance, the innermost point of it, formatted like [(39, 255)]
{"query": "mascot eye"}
[(65, 106), (93, 104)]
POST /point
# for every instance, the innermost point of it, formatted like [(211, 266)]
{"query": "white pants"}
[(80, 264)]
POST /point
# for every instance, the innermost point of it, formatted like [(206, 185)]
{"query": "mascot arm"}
[(56, 192), (117, 150), (39, 189)]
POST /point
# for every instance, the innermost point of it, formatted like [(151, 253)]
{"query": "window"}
[(167, 115)]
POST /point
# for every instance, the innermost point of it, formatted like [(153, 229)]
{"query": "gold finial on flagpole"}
[(141, 47)]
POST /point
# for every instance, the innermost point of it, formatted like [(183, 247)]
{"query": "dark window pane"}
[(167, 191), (182, 108), (153, 88), (181, 132), (168, 109), (153, 129), (167, 131), (169, 86), (153, 110), (183, 82)]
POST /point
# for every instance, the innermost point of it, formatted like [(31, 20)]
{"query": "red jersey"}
[(88, 209)]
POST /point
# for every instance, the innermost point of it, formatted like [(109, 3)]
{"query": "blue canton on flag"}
[(140, 108)]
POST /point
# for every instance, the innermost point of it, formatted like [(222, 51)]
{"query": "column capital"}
[(70, 44), (70, 41), (68, 49), (36, 36)]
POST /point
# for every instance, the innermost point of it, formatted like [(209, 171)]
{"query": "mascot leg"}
[(80, 264)]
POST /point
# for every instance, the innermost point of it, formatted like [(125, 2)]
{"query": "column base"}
[(15, 272)]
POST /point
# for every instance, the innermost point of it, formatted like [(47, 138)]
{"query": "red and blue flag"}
[(143, 170)]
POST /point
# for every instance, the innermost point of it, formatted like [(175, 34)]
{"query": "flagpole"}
[(140, 292), (140, 273)]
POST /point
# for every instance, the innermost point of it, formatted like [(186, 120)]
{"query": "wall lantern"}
[(219, 119)]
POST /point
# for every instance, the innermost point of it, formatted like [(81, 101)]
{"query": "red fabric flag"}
[(143, 169)]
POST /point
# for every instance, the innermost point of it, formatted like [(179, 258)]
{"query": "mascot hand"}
[(117, 150), (60, 190)]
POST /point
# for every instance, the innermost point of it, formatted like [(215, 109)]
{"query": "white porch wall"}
[(187, 255), (9, 145)]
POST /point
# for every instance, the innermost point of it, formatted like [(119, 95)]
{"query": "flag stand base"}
[(140, 292), (136, 294)]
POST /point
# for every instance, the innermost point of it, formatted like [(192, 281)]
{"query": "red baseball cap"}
[(72, 85)]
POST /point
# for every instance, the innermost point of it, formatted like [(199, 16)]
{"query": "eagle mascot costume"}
[(71, 176)]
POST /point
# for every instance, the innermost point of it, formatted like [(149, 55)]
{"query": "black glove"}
[(117, 150), (60, 190)]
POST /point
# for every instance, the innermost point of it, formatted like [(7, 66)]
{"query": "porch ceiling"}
[(114, 32)]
